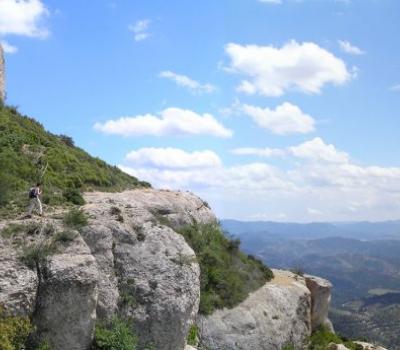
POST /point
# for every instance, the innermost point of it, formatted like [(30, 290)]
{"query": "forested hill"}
[(29, 153)]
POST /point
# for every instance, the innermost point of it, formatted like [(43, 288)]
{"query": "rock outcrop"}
[(18, 284), (130, 261), (277, 314), (147, 270), (321, 297), (284, 311), (65, 311)]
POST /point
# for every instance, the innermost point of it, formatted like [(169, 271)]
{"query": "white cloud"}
[(8, 48), (23, 17), (172, 158), (172, 121), (185, 81), (307, 187), (260, 152), (314, 212), (318, 150), (315, 150), (395, 87), (284, 119), (140, 29), (349, 48), (273, 71)]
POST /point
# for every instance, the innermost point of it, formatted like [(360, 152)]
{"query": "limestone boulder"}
[(275, 315)]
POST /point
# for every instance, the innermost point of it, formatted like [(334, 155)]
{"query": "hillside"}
[(28, 153)]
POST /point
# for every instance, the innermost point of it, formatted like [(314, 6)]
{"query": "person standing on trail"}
[(34, 200)]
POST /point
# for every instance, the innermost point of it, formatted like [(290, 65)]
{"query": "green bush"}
[(75, 218), (73, 196), (65, 236), (322, 337), (35, 255), (227, 275), (14, 331), (116, 335)]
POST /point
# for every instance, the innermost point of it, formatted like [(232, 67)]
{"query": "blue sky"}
[(270, 110)]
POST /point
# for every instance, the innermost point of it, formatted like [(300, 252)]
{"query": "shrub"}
[(67, 140), (35, 255), (289, 346), (75, 219), (73, 196), (14, 331), (65, 236), (192, 337), (116, 335), (227, 275), (322, 337)]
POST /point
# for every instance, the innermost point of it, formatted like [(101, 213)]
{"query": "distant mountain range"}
[(358, 230), (361, 259)]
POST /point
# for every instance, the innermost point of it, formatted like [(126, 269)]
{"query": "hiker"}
[(34, 200)]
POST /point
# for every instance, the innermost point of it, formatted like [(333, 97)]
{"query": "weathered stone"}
[(147, 270), (321, 297), (273, 316), (333, 346), (65, 312), (368, 346), (18, 284)]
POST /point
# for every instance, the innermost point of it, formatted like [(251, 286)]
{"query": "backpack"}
[(32, 193)]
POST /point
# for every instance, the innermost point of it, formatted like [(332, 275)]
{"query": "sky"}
[(282, 110)]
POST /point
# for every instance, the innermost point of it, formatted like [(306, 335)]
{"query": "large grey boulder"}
[(273, 316), (321, 297), (146, 270), (66, 302)]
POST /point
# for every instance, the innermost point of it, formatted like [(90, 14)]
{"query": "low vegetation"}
[(321, 339), (28, 154), (14, 331), (227, 274), (75, 219), (193, 335), (114, 335), (35, 255)]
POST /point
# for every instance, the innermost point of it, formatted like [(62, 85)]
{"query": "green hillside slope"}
[(28, 153)]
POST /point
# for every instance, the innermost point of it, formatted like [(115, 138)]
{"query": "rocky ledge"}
[(128, 259)]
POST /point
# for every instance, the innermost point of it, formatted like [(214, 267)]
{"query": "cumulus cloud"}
[(283, 120), (307, 187), (23, 17), (349, 48), (260, 152), (8, 48), (315, 150), (140, 29), (171, 121), (318, 150), (272, 71), (172, 158), (183, 80)]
